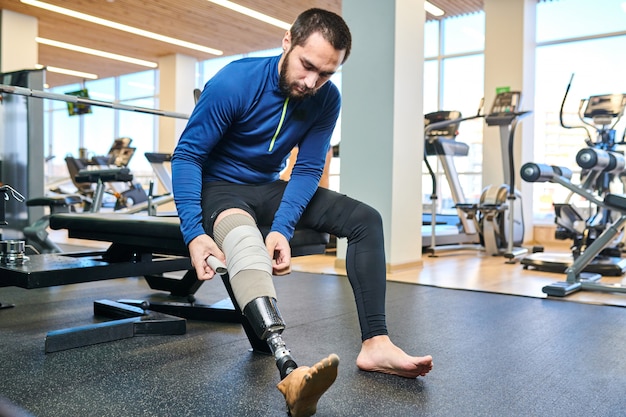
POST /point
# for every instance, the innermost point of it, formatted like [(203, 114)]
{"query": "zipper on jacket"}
[(280, 124)]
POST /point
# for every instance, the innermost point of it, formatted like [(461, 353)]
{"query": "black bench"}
[(140, 245)]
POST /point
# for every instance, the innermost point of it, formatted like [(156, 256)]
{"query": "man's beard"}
[(288, 89)]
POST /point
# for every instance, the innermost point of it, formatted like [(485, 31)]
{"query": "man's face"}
[(304, 69)]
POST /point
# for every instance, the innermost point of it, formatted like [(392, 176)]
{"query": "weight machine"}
[(601, 163), (577, 277)]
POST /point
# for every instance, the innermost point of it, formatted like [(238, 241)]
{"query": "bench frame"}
[(140, 245)]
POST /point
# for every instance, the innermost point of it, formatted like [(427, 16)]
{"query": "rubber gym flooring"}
[(494, 355)]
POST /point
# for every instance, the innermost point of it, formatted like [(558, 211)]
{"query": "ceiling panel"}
[(197, 21)]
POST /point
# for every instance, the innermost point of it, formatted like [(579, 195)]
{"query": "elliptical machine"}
[(601, 163)]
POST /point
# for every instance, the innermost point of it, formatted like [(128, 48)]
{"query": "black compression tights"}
[(365, 264), (362, 225)]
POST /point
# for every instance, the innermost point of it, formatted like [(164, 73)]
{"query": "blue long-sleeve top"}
[(242, 131)]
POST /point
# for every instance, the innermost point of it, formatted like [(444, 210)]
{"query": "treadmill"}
[(441, 129)]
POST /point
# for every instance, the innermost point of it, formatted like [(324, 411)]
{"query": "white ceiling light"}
[(252, 13), (73, 73), (95, 52), (432, 9), (119, 26)]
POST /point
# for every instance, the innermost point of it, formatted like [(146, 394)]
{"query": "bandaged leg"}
[(250, 271), (249, 265)]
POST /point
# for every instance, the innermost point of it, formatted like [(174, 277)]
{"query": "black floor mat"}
[(494, 355)]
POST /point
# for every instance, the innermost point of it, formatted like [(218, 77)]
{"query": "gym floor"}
[(494, 354)]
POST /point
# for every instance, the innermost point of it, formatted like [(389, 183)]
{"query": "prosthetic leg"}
[(250, 273), (268, 325)]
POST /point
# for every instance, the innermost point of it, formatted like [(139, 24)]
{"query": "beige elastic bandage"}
[(248, 262)]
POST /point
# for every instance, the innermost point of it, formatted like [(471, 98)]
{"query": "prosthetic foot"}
[(304, 386)]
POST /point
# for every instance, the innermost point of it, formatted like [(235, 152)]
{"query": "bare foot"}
[(379, 354), (304, 386)]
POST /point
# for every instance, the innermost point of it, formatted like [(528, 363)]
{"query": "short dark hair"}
[(330, 25)]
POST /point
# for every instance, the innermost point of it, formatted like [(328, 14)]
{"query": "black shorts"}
[(326, 212)]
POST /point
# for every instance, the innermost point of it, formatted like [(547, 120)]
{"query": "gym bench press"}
[(140, 245)]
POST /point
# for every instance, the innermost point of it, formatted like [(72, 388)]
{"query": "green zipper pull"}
[(280, 124)]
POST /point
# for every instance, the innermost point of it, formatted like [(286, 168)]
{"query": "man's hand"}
[(199, 249), (280, 252)]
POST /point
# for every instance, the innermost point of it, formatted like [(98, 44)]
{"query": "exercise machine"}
[(600, 164), (572, 225), (140, 245), (108, 174), (11, 251), (501, 216), (497, 217), (577, 279), (441, 129), (37, 235)]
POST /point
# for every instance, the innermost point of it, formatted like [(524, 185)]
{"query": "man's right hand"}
[(199, 249)]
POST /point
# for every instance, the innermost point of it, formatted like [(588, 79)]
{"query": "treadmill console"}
[(439, 128), (505, 109), (605, 107), (506, 102)]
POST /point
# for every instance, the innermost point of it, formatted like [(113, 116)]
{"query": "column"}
[(382, 121), (510, 62), (18, 48), (177, 75), (21, 124)]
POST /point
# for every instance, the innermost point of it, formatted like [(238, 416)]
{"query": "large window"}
[(584, 39), (453, 80), (98, 128), (92, 134), (568, 19)]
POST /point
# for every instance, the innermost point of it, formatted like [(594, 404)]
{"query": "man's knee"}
[(249, 264), (365, 217), (229, 212), (367, 213)]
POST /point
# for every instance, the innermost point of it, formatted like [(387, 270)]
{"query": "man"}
[(226, 170)]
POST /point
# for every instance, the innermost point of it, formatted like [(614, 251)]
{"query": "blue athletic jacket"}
[(242, 130)]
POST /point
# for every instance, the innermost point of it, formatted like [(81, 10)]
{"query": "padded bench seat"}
[(160, 234), (57, 203), (140, 245), (104, 175)]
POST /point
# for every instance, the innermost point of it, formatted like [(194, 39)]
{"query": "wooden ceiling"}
[(197, 21)]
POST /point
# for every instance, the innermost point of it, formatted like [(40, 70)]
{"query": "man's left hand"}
[(280, 252)]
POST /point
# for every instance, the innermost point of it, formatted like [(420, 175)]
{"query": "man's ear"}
[(287, 41)]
